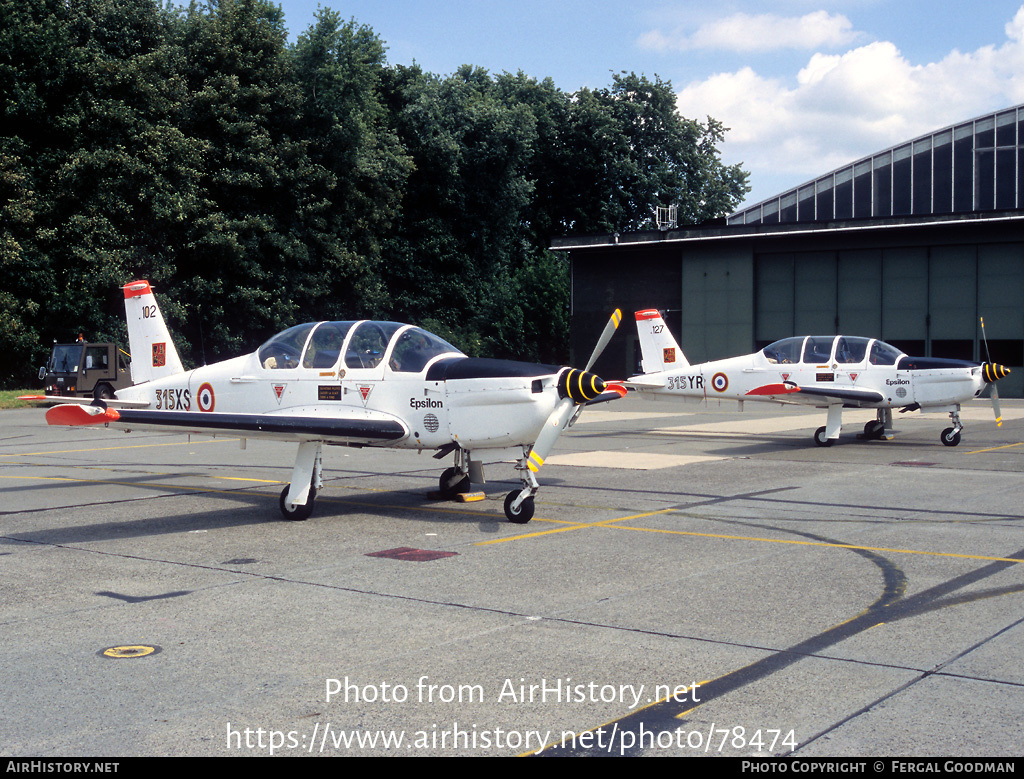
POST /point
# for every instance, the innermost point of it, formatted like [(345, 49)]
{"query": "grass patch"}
[(9, 398)]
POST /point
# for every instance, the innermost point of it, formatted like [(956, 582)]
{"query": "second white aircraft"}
[(828, 371)]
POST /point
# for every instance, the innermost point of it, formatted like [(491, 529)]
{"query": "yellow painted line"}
[(613, 524), (996, 448), (572, 526), (824, 544), (239, 478), (112, 448)]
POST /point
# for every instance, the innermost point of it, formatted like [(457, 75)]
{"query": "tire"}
[(302, 511), (873, 430), (103, 392), (523, 514), (460, 487), (820, 439), (950, 436)]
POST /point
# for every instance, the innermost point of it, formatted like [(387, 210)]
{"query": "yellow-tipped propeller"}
[(992, 372), (575, 388)]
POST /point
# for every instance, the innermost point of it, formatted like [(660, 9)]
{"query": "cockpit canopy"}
[(821, 349), (363, 344)]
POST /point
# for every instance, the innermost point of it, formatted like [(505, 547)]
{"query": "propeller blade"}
[(606, 336), (549, 434), (576, 388), (992, 373), (988, 357)]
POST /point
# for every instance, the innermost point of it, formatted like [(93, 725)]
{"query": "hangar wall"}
[(728, 290)]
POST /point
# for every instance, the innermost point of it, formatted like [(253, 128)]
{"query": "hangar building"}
[(912, 245)]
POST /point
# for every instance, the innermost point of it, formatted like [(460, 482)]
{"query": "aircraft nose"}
[(993, 371), (580, 386)]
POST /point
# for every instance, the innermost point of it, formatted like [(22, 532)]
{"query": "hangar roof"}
[(970, 167)]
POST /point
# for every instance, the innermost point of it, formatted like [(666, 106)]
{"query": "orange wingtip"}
[(618, 389), (80, 415), (774, 389), (647, 313), (31, 397)]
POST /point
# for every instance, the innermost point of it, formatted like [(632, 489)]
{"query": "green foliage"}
[(258, 184)]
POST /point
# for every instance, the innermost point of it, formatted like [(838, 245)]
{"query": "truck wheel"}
[(103, 392)]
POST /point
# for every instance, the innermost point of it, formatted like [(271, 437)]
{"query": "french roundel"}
[(720, 382), (205, 397)]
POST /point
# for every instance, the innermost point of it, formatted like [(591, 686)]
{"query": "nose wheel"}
[(519, 506), (521, 513), (951, 435)]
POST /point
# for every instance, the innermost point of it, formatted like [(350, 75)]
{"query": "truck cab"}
[(85, 370)]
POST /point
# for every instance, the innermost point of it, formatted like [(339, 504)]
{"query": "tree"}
[(460, 235), (341, 69)]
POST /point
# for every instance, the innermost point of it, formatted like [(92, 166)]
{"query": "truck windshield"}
[(65, 358)]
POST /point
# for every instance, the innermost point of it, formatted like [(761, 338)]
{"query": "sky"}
[(804, 86)]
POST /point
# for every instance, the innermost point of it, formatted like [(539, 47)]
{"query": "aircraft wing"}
[(793, 393), (113, 402), (357, 426)]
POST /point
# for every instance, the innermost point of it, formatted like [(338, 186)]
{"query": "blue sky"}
[(805, 86)]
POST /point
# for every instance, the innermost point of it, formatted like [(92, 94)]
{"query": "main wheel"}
[(103, 392), (460, 487), (950, 436), (820, 438), (301, 511), (873, 430), (521, 515)]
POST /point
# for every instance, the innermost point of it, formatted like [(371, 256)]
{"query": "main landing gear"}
[(297, 502), (877, 429)]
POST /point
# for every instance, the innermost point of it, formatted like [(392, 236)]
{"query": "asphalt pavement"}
[(696, 581)]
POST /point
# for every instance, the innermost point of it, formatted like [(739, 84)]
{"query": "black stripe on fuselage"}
[(455, 368), (932, 363), (363, 429)]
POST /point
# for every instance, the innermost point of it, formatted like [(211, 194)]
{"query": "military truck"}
[(84, 370)]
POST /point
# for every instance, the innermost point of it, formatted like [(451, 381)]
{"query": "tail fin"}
[(153, 352), (659, 349)]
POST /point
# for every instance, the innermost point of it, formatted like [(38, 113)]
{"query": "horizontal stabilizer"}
[(69, 414), (613, 392), (642, 382)]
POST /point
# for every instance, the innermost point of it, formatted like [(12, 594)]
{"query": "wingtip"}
[(74, 415)]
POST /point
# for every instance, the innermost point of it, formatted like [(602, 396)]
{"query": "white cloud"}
[(840, 107), (757, 32)]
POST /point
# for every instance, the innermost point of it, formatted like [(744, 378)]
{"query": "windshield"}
[(884, 354), (415, 348), (65, 358)]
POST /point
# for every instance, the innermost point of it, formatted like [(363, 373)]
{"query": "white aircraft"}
[(828, 371), (356, 383)]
